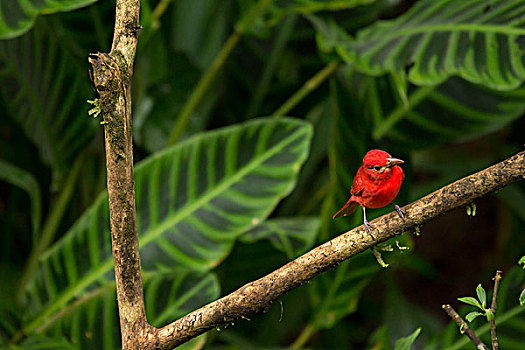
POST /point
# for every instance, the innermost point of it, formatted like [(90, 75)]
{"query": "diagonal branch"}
[(464, 328), (111, 76), (258, 295)]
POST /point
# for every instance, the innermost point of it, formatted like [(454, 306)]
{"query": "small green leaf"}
[(193, 201), (482, 295), (471, 301), (522, 297), (406, 342), (522, 261), (461, 329), (489, 314), (472, 315)]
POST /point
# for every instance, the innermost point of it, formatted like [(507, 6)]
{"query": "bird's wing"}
[(356, 190), (357, 186)]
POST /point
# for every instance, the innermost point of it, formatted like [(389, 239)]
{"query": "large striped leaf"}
[(18, 16), (276, 10), (43, 88), (479, 40), (193, 201), (455, 110), (92, 322)]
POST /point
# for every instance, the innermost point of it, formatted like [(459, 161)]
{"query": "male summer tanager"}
[(376, 184)]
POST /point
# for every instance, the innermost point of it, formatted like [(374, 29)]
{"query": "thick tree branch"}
[(258, 295), (111, 76)]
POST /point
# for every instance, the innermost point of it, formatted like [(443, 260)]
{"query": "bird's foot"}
[(399, 211), (367, 227)]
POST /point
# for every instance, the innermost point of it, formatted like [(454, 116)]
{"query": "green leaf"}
[(335, 294), (193, 200), (311, 6), (482, 295), (23, 179), (292, 236), (522, 298), (489, 314), (92, 322), (329, 35), (471, 301), (199, 29), (18, 16), (44, 89), (522, 261), (169, 296), (166, 89), (406, 342), (349, 140), (480, 41), (39, 342), (472, 315), (510, 325), (454, 110)]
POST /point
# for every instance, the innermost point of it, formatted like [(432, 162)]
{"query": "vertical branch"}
[(111, 76), (494, 338)]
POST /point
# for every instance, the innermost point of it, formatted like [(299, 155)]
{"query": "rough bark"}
[(258, 295), (111, 76)]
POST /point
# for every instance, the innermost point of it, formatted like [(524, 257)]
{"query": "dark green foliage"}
[(438, 83)]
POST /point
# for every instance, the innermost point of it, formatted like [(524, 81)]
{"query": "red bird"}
[(376, 184)]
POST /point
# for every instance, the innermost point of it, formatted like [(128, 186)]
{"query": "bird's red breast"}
[(376, 183)]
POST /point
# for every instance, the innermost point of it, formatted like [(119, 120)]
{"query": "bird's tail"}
[(349, 208)]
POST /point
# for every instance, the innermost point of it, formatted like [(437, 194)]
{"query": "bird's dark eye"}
[(377, 167)]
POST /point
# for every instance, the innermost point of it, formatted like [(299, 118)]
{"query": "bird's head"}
[(379, 165)]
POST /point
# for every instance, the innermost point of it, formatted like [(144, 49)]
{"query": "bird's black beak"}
[(393, 161)]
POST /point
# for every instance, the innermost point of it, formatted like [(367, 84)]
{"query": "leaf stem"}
[(158, 11), (264, 83), (209, 76), (308, 87), (413, 100), (317, 198), (201, 89), (304, 336)]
